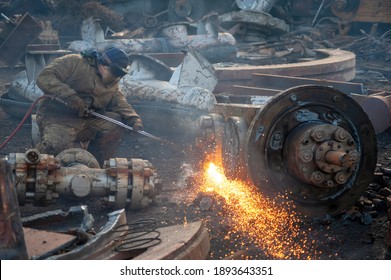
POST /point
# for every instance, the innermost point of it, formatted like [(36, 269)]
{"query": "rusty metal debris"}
[(15, 36), (191, 84)]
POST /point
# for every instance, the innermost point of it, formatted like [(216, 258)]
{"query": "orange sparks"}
[(271, 227)]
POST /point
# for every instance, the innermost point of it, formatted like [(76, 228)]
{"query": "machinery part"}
[(334, 64), (378, 109), (314, 145), (233, 147), (183, 9), (211, 138), (41, 178), (75, 156), (34, 177)]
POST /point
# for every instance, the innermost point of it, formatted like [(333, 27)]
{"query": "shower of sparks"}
[(271, 227)]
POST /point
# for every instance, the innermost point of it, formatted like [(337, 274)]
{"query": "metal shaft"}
[(129, 127)]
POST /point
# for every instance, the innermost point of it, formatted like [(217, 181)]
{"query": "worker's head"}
[(112, 65)]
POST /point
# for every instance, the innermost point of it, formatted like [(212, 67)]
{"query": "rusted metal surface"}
[(181, 242), (314, 144), (283, 82), (13, 47), (40, 242), (253, 20), (337, 65), (269, 133), (378, 109), (75, 173), (362, 11), (12, 243), (117, 239)]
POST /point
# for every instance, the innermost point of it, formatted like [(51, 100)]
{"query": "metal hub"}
[(314, 145), (322, 155)]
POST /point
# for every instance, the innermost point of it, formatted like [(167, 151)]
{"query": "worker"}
[(85, 81)]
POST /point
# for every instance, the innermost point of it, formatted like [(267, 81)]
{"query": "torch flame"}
[(271, 227)]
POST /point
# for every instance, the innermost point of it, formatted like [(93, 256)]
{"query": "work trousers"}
[(98, 136)]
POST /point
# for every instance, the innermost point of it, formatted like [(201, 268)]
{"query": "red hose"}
[(24, 119)]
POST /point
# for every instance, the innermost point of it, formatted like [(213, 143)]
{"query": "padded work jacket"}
[(73, 74)]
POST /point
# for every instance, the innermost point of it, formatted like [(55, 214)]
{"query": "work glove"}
[(75, 103), (135, 123)]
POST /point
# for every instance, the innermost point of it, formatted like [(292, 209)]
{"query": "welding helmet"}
[(116, 59)]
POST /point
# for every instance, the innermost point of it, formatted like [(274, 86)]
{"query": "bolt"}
[(317, 135), (147, 187), (306, 156), (340, 178), (66, 158), (318, 176), (354, 156), (79, 157), (340, 135), (293, 98), (329, 183), (147, 172)]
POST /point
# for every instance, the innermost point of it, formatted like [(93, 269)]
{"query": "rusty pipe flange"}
[(135, 181), (76, 156), (288, 116), (143, 182), (35, 175), (233, 148)]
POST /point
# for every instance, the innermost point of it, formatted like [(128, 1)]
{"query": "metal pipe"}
[(121, 182)]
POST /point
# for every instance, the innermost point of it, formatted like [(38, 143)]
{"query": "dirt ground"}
[(346, 236)]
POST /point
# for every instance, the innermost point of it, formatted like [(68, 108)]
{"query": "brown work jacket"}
[(72, 74)]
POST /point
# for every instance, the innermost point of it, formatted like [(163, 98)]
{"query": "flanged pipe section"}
[(314, 145), (75, 173)]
